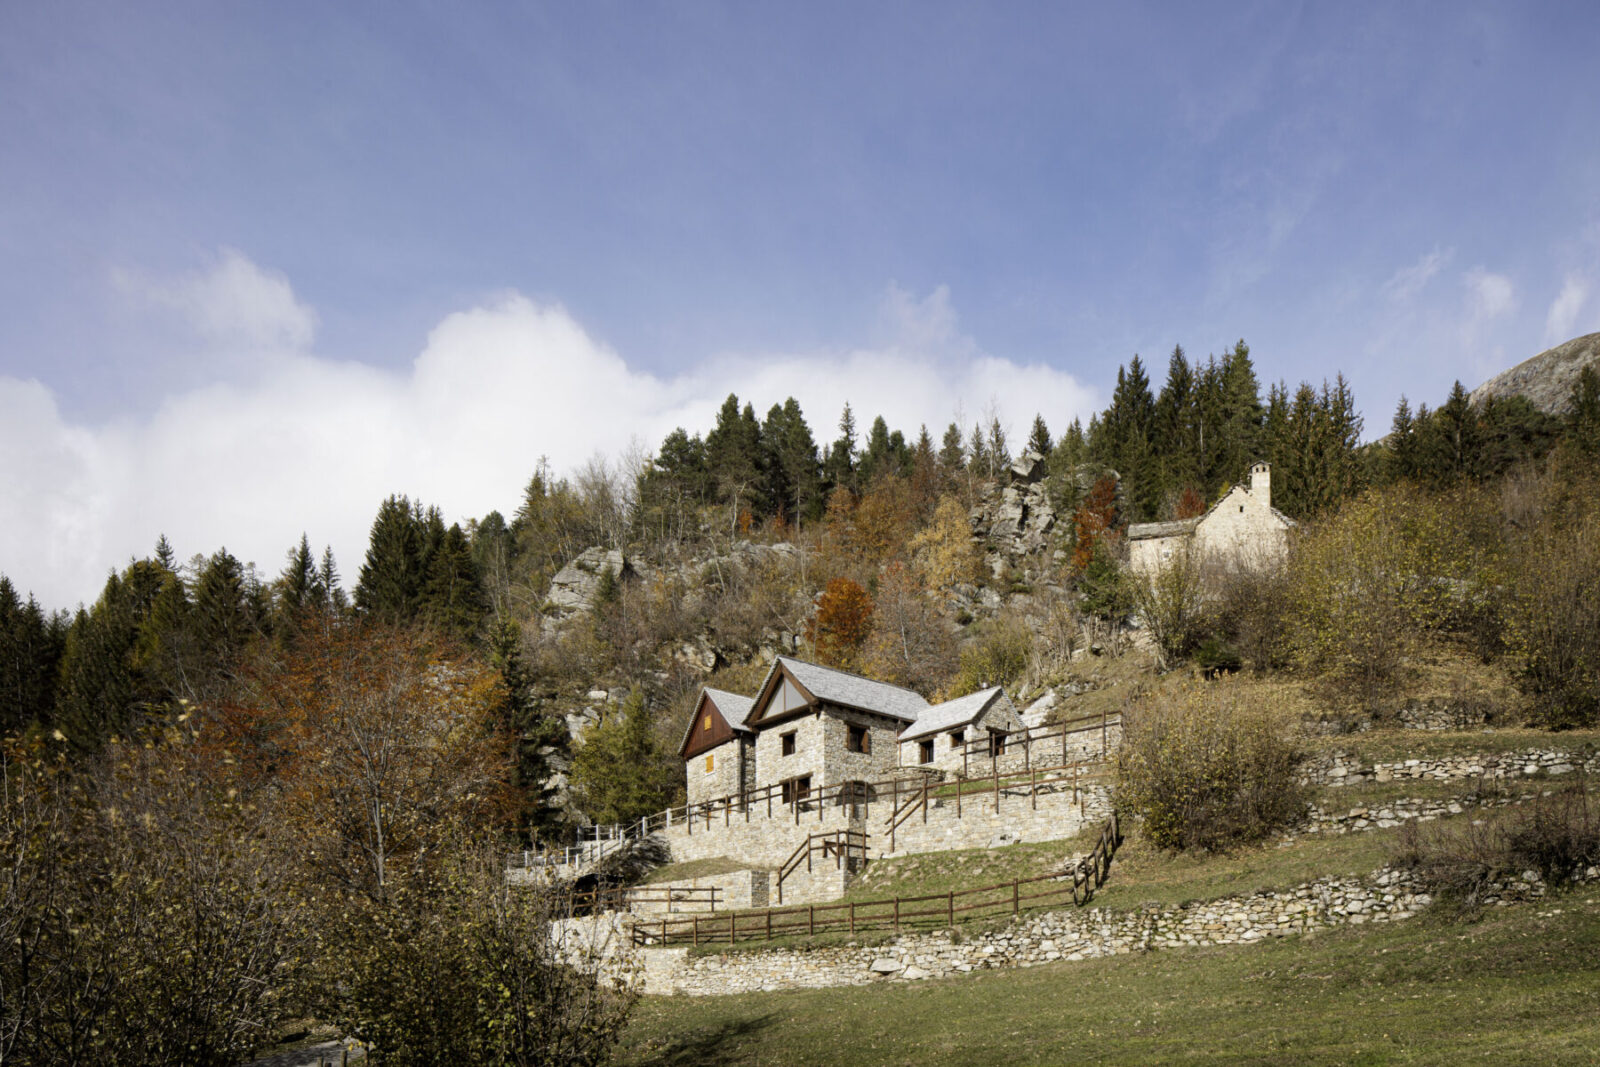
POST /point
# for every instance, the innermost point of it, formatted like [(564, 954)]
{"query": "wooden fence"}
[(1077, 885), (841, 845)]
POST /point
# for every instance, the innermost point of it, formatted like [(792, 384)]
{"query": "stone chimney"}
[(1261, 482)]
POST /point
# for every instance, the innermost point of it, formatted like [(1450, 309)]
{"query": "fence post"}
[(1105, 746), (1015, 900), (811, 920), (1033, 791), (1063, 744), (897, 913), (769, 920), (950, 906), (695, 935), (1027, 749), (997, 786), (958, 798), (924, 801)]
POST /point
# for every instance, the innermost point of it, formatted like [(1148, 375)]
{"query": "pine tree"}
[(30, 655), (164, 554), (998, 454), (223, 619), (296, 588), (1039, 440), (733, 454), (1583, 416), (879, 458), (1402, 454), (802, 470), (1174, 431), (102, 691), (333, 599), (840, 463), (452, 596), (952, 456), (389, 589)]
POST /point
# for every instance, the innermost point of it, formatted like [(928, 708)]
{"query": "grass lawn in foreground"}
[(1522, 985)]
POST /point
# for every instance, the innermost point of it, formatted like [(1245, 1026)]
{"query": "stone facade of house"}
[(1242, 529)]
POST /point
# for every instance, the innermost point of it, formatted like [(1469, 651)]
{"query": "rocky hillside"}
[(1547, 378)]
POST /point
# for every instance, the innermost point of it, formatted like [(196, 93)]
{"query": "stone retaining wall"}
[(1341, 768), (1385, 896), (1321, 820)]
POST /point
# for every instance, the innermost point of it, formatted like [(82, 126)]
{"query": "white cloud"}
[(1410, 281), (1490, 295), (234, 303), (1562, 318), (314, 443)]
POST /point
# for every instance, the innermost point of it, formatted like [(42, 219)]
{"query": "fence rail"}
[(841, 845), (1077, 884)]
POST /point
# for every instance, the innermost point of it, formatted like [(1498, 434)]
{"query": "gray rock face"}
[(1547, 378), (574, 587)]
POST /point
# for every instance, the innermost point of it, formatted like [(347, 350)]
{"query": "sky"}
[(262, 265)]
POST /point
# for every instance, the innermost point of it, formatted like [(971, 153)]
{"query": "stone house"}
[(810, 726), (718, 748), (945, 731), (1241, 529)]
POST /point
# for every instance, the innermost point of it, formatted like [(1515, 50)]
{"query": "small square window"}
[(958, 738), (710, 764), (856, 739), (707, 726), (927, 750), (788, 743)]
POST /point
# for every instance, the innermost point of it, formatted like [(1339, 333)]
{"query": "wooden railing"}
[(841, 845), (621, 898), (1080, 774), (1045, 739), (1077, 885)]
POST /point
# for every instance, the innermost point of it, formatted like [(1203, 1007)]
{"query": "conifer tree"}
[(30, 654), (1583, 415), (733, 454), (1039, 440), (452, 596), (840, 463), (103, 693), (389, 589), (952, 456)]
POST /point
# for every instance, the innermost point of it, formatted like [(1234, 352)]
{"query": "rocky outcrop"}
[(1018, 518), (576, 585), (1547, 378)]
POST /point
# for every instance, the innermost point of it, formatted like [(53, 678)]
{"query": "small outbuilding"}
[(945, 731), (1242, 529)]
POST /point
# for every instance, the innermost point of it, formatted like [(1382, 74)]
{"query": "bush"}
[(999, 656), (1557, 835), (458, 966), (1554, 612), (1252, 614), (1206, 767), (1171, 601)]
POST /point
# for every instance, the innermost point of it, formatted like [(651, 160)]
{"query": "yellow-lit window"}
[(709, 763), (707, 726)]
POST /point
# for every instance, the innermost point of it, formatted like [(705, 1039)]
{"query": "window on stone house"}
[(997, 743), (856, 739), (958, 738), (926, 751), (710, 764), (796, 789), (788, 743)]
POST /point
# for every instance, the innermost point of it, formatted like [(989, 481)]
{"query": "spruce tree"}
[(30, 655), (802, 469), (952, 456), (389, 589), (840, 465), (1039, 440), (452, 596)]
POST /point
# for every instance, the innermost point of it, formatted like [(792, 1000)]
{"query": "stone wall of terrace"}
[(1341, 768)]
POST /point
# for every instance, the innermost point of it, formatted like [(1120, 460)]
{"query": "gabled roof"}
[(1141, 531), (953, 713), (843, 688), (733, 708)]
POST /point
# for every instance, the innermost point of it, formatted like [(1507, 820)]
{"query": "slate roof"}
[(734, 707), (852, 690), (1141, 530), (952, 713)]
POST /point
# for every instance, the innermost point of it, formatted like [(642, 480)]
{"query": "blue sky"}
[(265, 264)]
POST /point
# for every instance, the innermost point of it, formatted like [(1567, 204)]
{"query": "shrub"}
[(1557, 835), (1554, 611), (999, 657), (1171, 602), (1252, 613), (1207, 767), (458, 966)]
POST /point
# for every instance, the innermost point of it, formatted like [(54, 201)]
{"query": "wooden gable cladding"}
[(782, 696), (709, 729)]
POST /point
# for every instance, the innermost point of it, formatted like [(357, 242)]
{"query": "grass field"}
[(1520, 986)]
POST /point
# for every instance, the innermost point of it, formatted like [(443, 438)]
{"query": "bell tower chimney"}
[(1261, 482)]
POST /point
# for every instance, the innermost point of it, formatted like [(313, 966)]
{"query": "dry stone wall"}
[(1058, 811), (1386, 896), (1340, 768)]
